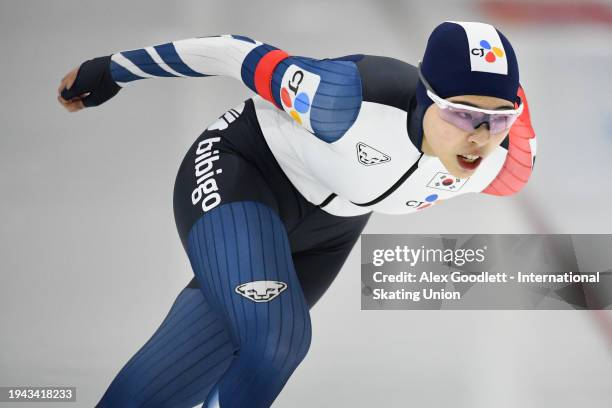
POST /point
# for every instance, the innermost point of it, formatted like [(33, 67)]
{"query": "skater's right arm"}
[(99, 79), (322, 96)]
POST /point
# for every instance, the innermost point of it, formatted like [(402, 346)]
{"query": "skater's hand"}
[(74, 104), (90, 84)]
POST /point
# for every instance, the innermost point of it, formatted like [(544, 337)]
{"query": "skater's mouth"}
[(469, 161)]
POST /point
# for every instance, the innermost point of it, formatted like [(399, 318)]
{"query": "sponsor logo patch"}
[(228, 117), (424, 203), (206, 192), (261, 291), (367, 155), (486, 50), (298, 88)]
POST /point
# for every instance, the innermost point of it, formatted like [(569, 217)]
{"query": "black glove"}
[(94, 77)]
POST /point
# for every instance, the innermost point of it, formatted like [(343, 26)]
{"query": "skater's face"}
[(449, 143)]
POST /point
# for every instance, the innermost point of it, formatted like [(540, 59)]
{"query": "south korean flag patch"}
[(447, 182), (487, 53)]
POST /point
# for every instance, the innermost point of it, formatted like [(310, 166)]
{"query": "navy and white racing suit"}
[(269, 201)]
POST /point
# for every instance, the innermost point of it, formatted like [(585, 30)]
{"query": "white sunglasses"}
[(469, 118)]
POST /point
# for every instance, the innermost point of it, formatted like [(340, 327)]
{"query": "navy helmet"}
[(468, 58)]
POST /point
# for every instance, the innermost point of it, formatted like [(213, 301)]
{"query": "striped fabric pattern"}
[(181, 362), (216, 346), (336, 104), (194, 57), (243, 242), (333, 108)]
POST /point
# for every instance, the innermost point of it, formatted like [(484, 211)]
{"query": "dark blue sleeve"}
[(324, 96)]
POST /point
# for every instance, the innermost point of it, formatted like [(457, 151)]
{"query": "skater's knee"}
[(278, 351)]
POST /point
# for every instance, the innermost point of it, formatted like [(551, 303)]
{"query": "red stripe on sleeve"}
[(263, 73)]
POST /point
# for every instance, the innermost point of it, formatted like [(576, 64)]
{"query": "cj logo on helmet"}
[(298, 88), (489, 53)]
